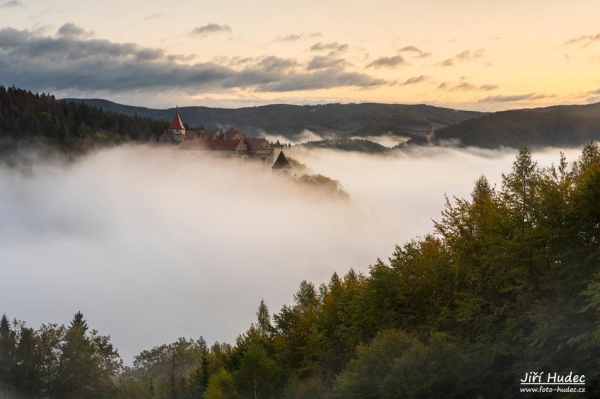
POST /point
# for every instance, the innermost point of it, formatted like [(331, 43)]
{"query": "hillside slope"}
[(29, 118), (559, 126), (330, 121)]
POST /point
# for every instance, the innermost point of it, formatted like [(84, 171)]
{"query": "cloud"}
[(71, 30), (272, 63), (297, 37), (468, 55), (463, 85), (335, 47), (210, 29), (157, 16), (72, 63), (387, 62), (12, 4), (514, 98), (413, 49), (446, 63), (464, 56), (587, 39), (488, 87), (415, 80), (86, 225), (321, 79), (329, 61)]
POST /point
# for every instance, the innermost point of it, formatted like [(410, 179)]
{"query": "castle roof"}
[(256, 143), (177, 124), (210, 145), (231, 133), (210, 134), (281, 162), (192, 134)]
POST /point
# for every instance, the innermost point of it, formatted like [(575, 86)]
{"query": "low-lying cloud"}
[(514, 98), (464, 85), (152, 245)]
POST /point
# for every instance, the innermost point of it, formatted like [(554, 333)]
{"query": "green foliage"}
[(562, 126), (343, 120), (311, 388), (299, 167), (508, 283), (323, 184), (257, 375), (351, 145), (56, 361), (221, 386), (177, 370), (28, 118)]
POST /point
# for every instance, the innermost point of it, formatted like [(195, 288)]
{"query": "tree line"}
[(508, 283), (29, 118)]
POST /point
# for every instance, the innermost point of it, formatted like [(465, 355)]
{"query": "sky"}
[(464, 54), (152, 245)]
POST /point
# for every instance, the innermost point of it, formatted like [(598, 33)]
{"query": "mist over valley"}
[(170, 244)]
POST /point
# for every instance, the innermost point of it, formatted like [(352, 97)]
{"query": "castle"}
[(231, 143)]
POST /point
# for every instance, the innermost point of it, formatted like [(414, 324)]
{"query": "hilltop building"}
[(177, 133), (231, 143), (281, 164)]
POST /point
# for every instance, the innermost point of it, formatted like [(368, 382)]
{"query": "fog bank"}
[(152, 245)]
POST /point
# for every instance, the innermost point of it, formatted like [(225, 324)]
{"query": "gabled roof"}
[(209, 134), (230, 134), (254, 143), (210, 145), (177, 124), (192, 134), (281, 162)]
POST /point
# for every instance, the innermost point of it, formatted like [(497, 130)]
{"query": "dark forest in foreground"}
[(508, 283)]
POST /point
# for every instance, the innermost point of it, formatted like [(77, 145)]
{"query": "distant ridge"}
[(351, 145), (329, 120), (558, 126)]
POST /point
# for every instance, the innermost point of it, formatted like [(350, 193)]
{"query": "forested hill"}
[(26, 117), (330, 120), (352, 145), (558, 126)]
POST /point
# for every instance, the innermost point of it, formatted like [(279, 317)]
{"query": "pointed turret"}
[(177, 124), (281, 163), (177, 130)]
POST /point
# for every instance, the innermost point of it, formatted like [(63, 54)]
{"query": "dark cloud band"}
[(72, 62)]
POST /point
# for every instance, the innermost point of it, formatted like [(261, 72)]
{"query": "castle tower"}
[(177, 130), (281, 163)]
